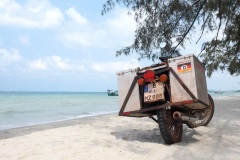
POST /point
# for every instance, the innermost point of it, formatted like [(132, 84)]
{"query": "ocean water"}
[(224, 94), (18, 109)]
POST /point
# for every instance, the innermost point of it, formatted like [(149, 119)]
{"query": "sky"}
[(52, 45)]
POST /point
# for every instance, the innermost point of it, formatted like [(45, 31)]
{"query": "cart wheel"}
[(206, 115), (171, 130)]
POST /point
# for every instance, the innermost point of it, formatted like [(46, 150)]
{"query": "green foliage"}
[(176, 21)]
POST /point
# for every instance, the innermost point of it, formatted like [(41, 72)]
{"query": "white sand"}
[(123, 138)]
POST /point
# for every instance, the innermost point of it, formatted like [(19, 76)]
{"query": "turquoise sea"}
[(18, 109)]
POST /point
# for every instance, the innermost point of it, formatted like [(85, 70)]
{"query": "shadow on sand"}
[(152, 136)]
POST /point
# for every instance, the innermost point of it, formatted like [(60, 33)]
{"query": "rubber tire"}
[(167, 136), (209, 118), (212, 106)]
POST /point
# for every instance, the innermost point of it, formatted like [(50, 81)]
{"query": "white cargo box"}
[(125, 79), (192, 74)]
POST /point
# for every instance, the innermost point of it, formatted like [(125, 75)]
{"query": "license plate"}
[(153, 92)]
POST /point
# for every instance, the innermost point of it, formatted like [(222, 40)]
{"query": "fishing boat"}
[(112, 93)]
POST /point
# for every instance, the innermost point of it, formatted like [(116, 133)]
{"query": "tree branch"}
[(219, 26), (182, 16), (203, 26), (190, 26)]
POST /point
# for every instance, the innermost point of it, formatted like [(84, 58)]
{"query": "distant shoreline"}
[(53, 91)]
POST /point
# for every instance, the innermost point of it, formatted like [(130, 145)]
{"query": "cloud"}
[(114, 67), (12, 60), (24, 40), (76, 39), (38, 65), (8, 57), (121, 24), (61, 64), (32, 14), (50, 63), (77, 17), (117, 30), (55, 63)]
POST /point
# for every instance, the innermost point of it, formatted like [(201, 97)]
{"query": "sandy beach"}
[(119, 138)]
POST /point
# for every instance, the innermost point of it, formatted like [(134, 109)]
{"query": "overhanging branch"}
[(185, 34)]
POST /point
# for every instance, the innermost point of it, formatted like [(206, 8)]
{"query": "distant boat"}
[(112, 93), (218, 92)]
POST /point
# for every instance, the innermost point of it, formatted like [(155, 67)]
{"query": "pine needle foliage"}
[(177, 21)]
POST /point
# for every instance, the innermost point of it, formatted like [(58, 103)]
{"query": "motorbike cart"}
[(172, 93)]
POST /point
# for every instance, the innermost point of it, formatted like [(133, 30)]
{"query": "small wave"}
[(5, 127), (97, 114), (90, 114), (8, 112), (225, 95)]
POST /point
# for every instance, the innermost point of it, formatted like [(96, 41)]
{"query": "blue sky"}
[(69, 46)]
